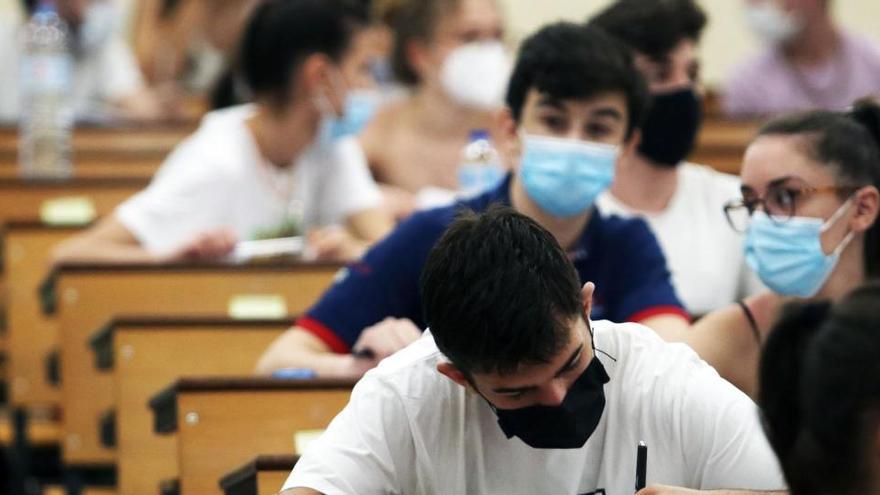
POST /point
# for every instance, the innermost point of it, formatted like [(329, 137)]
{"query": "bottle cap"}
[(478, 135)]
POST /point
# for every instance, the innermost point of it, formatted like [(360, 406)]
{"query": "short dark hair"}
[(820, 392), (415, 20), (848, 143), (567, 61), (652, 27), (281, 34), (499, 292)]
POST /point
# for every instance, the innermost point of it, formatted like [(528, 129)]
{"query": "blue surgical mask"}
[(565, 176), (788, 256), (360, 106)]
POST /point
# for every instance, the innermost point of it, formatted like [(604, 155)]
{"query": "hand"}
[(213, 244), (387, 337), (334, 244), (666, 490)]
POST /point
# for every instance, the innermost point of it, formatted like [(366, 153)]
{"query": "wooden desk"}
[(144, 355), (22, 199), (31, 334), (221, 423), (264, 475), (89, 296), (103, 167), (721, 144), (120, 140)]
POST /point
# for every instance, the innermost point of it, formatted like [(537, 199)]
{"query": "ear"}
[(417, 57), (450, 371), (867, 206), (507, 138), (313, 76), (631, 145), (587, 297)]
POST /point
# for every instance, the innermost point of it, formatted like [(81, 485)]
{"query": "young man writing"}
[(514, 390)]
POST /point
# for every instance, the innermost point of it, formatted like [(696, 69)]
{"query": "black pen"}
[(641, 466)]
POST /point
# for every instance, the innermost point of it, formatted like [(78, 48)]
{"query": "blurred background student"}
[(107, 81), (809, 61), (681, 201), (286, 165), (449, 55)]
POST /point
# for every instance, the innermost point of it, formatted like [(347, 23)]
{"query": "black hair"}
[(847, 142), (282, 33), (29, 6), (820, 392), (652, 27), (499, 292), (567, 61), (415, 20)]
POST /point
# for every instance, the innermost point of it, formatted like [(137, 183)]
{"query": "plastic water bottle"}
[(46, 86), (480, 168)]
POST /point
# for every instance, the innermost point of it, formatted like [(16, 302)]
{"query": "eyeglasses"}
[(778, 203)]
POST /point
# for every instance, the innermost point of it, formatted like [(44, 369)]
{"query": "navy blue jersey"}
[(621, 256)]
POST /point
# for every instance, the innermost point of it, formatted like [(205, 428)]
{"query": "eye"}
[(597, 130), (555, 123), (782, 199)]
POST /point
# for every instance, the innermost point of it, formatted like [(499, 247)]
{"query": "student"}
[(416, 143), (809, 209), (107, 82), (681, 201), (271, 169), (574, 100), (514, 390), (809, 62), (820, 394)]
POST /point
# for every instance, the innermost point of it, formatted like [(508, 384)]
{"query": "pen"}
[(641, 465)]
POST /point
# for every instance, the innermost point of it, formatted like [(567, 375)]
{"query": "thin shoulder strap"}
[(753, 324)]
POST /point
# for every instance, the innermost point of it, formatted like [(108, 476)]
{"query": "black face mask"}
[(670, 131), (566, 426)]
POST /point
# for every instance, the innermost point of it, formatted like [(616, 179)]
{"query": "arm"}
[(107, 242), (298, 348), (111, 242), (355, 312)]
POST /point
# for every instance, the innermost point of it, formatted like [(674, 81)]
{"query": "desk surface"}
[(164, 404)]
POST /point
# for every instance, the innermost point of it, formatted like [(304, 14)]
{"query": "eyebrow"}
[(772, 183), (609, 113), (565, 367)]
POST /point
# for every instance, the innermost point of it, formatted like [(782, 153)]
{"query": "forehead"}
[(529, 374), (470, 14), (580, 106), (770, 158)]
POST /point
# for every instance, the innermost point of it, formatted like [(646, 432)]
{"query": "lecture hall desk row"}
[(143, 288)]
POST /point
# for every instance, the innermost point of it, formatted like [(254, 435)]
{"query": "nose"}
[(553, 394)]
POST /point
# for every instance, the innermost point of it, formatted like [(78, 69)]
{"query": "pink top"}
[(769, 85)]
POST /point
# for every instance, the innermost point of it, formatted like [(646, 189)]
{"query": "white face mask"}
[(773, 24), (99, 24), (475, 74)]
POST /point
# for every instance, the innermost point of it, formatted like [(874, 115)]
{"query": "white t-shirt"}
[(102, 76), (217, 178), (703, 253), (410, 430)]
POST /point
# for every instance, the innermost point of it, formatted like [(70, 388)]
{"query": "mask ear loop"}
[(832, 220)]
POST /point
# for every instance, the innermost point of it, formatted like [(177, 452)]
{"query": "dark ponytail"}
[(849, 143), (867, 113), (820, 380)]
